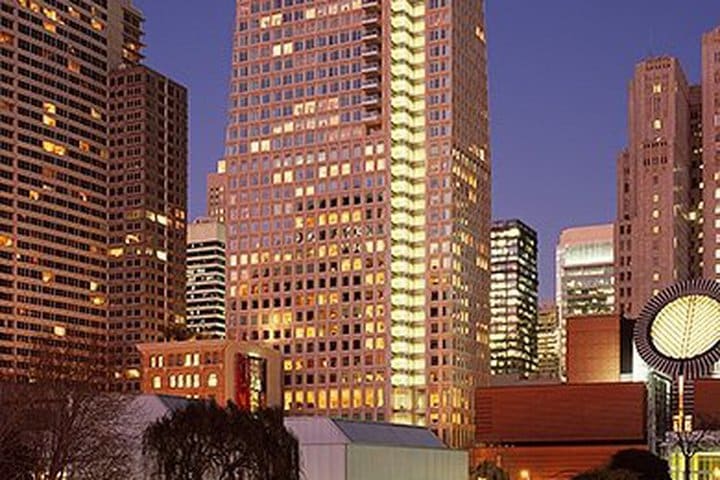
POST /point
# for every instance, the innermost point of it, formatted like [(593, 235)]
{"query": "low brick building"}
[(556, 431), (245, 373)]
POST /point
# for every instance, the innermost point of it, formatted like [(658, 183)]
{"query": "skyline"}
[(517, 31)]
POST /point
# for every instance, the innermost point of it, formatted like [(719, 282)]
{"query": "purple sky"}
[(558, 76)]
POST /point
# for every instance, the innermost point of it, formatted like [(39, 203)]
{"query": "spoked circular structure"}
[(678, 330)]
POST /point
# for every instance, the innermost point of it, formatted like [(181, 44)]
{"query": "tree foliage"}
[(489, 471), (206, 441), (607, 474), (646, 465), (630, 464)]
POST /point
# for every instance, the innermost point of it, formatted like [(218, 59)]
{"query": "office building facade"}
[(60, 212), (355, 188), (584, 272), (206, 278), (148, 204), (657, 227), (513, 298), (550, 345)]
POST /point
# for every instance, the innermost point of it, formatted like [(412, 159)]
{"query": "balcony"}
[(371, 101), (371, 68), (371, 35), (370, 20), (371, 84), (370, 52), (371, 4), (371, 117)]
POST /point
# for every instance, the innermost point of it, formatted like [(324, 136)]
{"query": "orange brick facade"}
[(223, 370)]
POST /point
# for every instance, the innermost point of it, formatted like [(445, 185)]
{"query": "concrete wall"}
[(322, 462), (377, 462)]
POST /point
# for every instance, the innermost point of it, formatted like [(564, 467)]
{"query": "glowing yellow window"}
[(5, 241), (98, 300), (49, 121), (96, 25), (156, 382), (657, 124), (212, 380)]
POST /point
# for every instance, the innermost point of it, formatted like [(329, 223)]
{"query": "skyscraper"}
[(655, 234), (61, 172), (355, 188), (148, 201), (206, 278), (513, 298), (710, 147)]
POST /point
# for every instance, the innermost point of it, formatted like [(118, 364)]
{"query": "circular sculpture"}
[(678, 330)]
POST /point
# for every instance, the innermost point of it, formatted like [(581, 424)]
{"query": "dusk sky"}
[(558, 76)]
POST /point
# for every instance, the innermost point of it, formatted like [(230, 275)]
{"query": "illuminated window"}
[(212, 380), (657, 88), (157, 382), (657, 124)]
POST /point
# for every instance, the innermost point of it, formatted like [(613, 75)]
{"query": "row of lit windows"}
[(187, 380)]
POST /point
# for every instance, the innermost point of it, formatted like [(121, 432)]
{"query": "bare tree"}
[(703, 436), (17, 457), (64, 419)]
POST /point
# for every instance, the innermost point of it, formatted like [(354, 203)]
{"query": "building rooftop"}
[(325, 431), (388, 434)]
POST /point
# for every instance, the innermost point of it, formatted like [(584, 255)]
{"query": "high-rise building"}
[(206, 278), (513, 298), (550, 353), (584, 276), (355, 188), (655, 235), (709, 146), (81, 175), (148, 201)]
